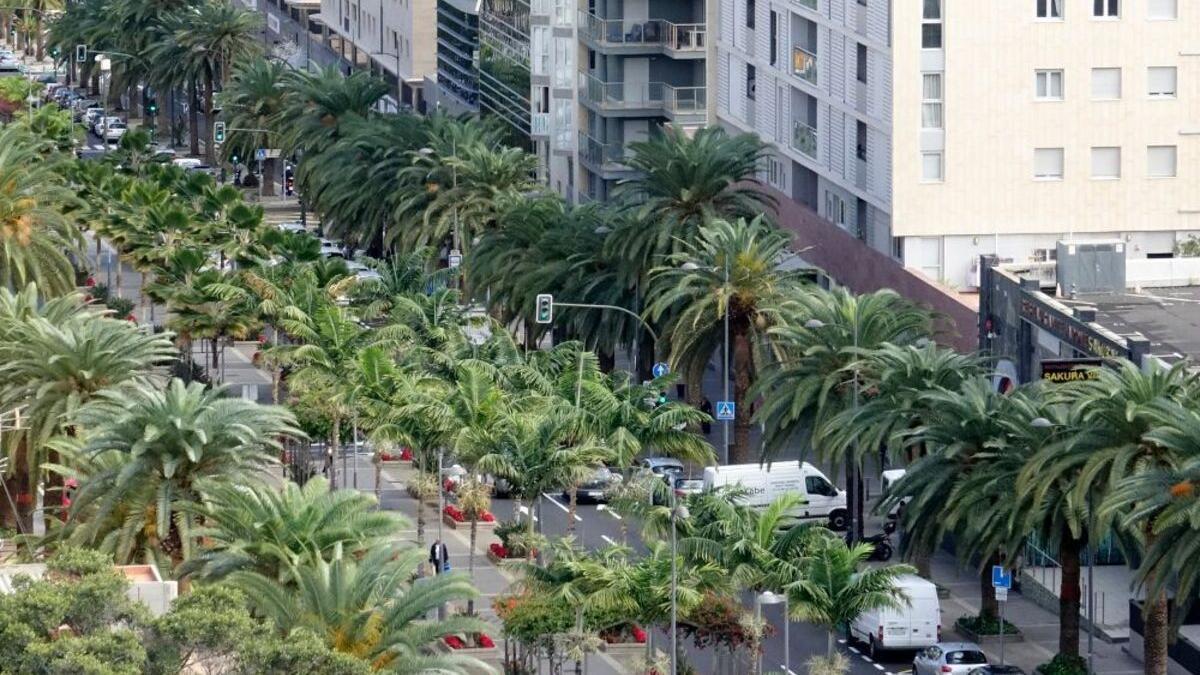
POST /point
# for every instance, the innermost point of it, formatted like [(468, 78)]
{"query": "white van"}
[(822, 500), (916, 626), (887, 481)]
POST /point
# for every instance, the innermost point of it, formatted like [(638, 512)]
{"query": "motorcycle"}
[(882, 542)]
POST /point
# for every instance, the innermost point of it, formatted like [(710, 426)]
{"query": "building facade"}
[(454, 88), (940, 131)]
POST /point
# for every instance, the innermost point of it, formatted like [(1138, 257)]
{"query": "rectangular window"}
[(1106, 163), (1049, 9), (861, 56), (931, 167), (1106, 9), (540, 48), (931, 24), (751, 82), (1048, 163), (774, 37), (1106, 84), (1160, 161), (750, 11), (1160, 81), (1048, 85), (1162, 10), (931, 100)]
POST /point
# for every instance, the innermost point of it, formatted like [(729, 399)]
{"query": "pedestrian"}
[(439, 557), (707, 409)]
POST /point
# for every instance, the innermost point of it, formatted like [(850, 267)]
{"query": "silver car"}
[(954, 658)]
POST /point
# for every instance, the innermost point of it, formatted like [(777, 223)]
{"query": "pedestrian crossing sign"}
[(725, 410)]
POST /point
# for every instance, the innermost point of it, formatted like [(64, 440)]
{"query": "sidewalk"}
[(1039, 627)]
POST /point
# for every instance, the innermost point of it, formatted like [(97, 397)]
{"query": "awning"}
[(304, 4)]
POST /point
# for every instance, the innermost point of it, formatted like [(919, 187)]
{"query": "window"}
[(815, 485), (1106, 163), (931, 100), (835, 208), (931, 24), (540, 48), (860, 140), (862, 63), (1160, 81), (1049, 9), (1106, 9), (750, 11), (1162, 10), (1049, 85), (1160, 161), (931, 167), (774, 37), (1106, 84), (751, 83), (1048, 163)]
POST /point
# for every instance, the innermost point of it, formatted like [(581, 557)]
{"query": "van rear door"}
[(926, 618)]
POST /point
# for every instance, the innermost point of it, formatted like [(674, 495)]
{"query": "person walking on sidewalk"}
[(439, 557), (707, 409)]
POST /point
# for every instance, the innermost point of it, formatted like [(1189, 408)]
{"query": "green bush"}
[(985, 625), (78, 562), (1064, 664)]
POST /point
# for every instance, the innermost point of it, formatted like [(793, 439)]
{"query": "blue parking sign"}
[(1001, 578)]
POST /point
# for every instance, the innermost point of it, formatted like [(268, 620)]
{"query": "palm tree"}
[(260, 528), (370, 608), (818, 345), (833, 589), (56, 360), (315, 107), (211, 307), (474, 498), (171, 442), (1116, 417), (730, 272), (253, 100), (36, 238)]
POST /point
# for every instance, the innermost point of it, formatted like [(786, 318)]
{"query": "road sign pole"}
[(1002, 606)]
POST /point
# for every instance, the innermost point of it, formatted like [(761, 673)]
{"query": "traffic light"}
[(234, 159), (80, 53), (662, 399), (218, 132), (151, 107), (545, 308)]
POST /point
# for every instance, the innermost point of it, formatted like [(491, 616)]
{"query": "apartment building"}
[(454, 87), (395, 39), (937, 130)]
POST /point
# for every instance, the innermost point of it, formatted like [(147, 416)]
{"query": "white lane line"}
[(854, 650), (604, 507), (864, 657), (841, 641), (877, 666), (609, 541), (561, 506), (787, 670)]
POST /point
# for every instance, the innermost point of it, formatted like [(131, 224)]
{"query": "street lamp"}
[(854, 491), (691, 266), (678, 512), (1043, 423), (771, 598), (399, 79)]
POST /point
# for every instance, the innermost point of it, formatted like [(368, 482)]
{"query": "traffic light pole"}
[(635, 315)]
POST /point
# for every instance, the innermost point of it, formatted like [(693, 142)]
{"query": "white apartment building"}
[(940, 130), (394, 38)]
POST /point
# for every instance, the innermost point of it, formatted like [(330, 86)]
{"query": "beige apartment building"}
[(939, 130)]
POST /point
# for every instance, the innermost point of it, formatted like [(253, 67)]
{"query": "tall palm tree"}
[(36, 238), (252, 100), (316, 106), (816, 373), (834, 589), (474, 498), (370, 608), (731, 272), (211, 307), (260, 528), (171, 442)]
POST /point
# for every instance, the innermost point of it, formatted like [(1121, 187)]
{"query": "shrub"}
[(836, 664), (1064, 664), (78, 562), (980, 625)]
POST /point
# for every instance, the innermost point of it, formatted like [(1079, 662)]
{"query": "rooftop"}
[(1169, 317)]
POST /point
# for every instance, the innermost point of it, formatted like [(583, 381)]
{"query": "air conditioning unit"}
[(1090, 267)]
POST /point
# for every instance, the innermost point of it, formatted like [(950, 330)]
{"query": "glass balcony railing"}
[(679, 37), (624, 95), (539, 124), (598, 154), (804, 64), (804, 138)]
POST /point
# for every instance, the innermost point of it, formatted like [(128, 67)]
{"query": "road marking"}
[(787, 670), (853, 650), (877, 666), (562, 507), (866, 658), (525, 511), (604, 507), (610, 541), (841, 641)]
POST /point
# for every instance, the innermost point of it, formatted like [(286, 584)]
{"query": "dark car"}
[(596, 489)]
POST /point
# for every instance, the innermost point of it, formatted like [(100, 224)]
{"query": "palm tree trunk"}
[(1069, 594), (377, 460), (420, 501), (193, 118), (117, 263), (216, 354), (268, 177), (572, 503), (1155, 619), (209, 149), (529, 531), (988, 608), (40, 51), (135, 101), (95, 81), (830, 641), (162, 121), (742, 368)]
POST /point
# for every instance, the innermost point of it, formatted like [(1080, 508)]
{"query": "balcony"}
[(652, 36), (643, 98), (804, 64), (804, 139), (539, 124), (810, 4), (601, 157)]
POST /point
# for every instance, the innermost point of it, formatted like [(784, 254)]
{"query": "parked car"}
[(293, 226), (949, 658), (92, 115), (764, 483), (688, 486), (331, 249), (188, 162), (100, 126), (917, 625), (665, 468), (114, 130), (596, 488)]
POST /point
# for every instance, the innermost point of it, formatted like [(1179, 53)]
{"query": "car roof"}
[(663, 461), (959, 647)]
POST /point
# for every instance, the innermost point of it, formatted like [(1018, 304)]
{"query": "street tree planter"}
[(970, 635), (474, 646), (456, 520)]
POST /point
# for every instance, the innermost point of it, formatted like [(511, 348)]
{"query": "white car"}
[(949, 658), (331, 249), (293, 226), (113, 131), (368, 275), (100, 126), (91, 115), (187, 162)]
